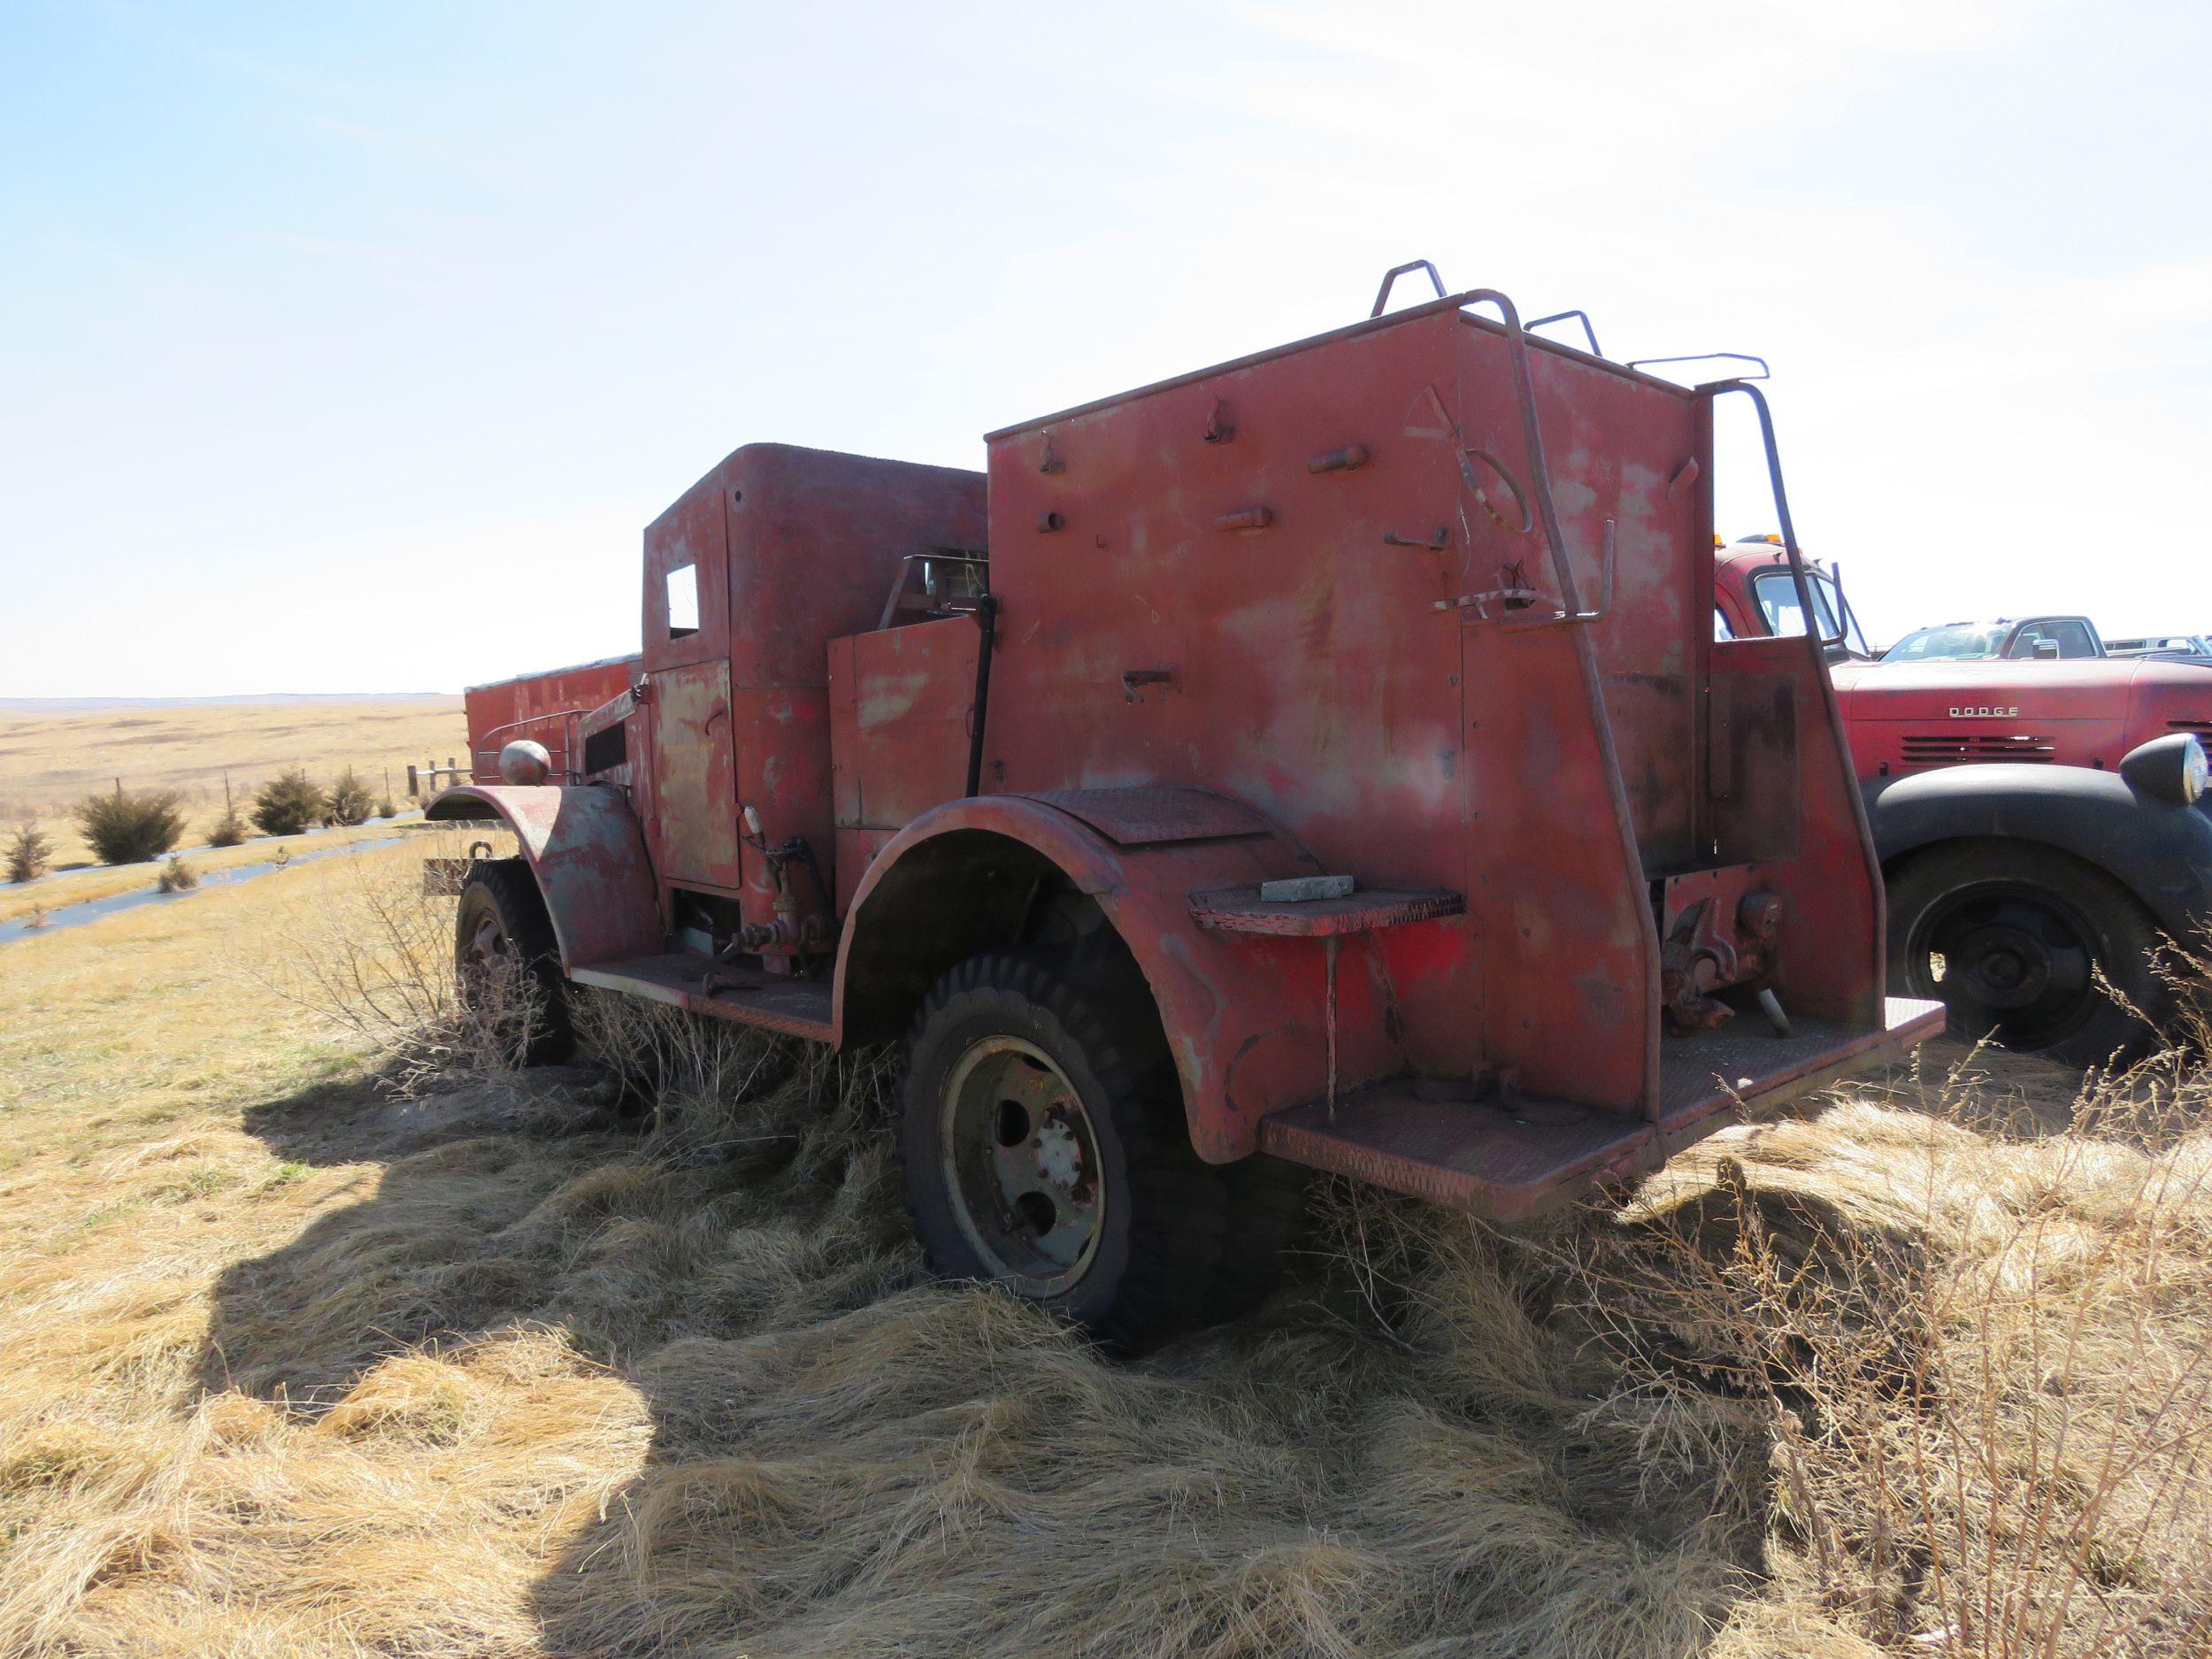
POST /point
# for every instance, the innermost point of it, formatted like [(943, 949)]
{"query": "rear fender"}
[(583, 846), (2159, 851), (1243, 1015)]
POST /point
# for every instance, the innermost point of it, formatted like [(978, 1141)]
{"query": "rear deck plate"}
[(1511, 1163)]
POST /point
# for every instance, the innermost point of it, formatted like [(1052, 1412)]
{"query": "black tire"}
[(2023, 932), (1266, 1215), (1079, 1189), (502, 920)]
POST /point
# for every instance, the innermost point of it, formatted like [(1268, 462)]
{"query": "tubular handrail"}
[(1764, 373), (1382, 294), (1798, 577), (1583, 317), (1532, 440)]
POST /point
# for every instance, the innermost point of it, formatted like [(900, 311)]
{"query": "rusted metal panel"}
[(545, 708), (857, 850), (1706, 1074), (902, 703), (796, 1008), (1244, 1015), (1311, 677), (793, 547), (1242, 910), (1510, 1160), (694, 776), (686, 571), (1752, 750), (1489, 1160), (1141, 816), (782, 739), (585, 847)]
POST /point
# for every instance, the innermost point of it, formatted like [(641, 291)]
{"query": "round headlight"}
[(523, 762), (2171, 768)]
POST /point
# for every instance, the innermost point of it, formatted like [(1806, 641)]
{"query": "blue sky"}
[(349, 348)]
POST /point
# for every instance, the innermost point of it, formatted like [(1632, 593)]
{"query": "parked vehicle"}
[(2041, 823), (2180, 648), (1299, 762), (2031, 638)]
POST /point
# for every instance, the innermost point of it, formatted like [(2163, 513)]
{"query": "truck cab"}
[(1756, 597)]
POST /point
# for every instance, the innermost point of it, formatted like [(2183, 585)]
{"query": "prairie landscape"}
[(52, 756), (325, 1338)]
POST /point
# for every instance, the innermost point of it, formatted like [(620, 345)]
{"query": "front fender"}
[(2159, 851), (584, 845), (1244, 1017)]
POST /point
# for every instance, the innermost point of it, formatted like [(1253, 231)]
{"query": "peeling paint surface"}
[(584, 845)]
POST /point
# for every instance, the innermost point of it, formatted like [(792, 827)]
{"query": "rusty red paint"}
[(583, 846), (1243, 910), (544, 708), (1469, 663), (1904, 718)]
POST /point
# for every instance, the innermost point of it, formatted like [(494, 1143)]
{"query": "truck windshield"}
[(1954, 643), (1776, 595)]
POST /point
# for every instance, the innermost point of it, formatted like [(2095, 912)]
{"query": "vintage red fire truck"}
[(1322, 760), (2041, 823)]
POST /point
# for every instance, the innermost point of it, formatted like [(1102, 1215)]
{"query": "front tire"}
[(1043, 1148), (508, 965), (2014, 937)]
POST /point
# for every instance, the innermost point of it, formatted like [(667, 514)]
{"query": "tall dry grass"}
[(509, 1369)]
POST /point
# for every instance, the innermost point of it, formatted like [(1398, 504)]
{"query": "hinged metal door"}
[(694, 805)]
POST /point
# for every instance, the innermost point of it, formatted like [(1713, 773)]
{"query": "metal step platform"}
[(1511, 1161), (797, 1008)]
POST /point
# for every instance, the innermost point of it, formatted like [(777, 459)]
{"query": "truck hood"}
[(2101, 688)]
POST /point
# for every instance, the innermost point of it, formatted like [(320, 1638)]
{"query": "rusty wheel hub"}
[(1021, 1162), (2014, 959)]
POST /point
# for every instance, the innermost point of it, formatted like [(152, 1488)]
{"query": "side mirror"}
[(2047, 650)]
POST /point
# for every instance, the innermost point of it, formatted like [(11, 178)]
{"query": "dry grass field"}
[(48, 761), (299, 1365)]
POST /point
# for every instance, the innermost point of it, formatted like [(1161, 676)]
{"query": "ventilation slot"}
[(606, 749), (1954, 750), (2203, 728)]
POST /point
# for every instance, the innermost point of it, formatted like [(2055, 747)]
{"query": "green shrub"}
[(349, 801), (288, 804), (29, 850), (229, 830), (128, 827)]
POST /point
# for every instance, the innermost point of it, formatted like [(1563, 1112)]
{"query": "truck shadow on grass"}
[(802, 1444)]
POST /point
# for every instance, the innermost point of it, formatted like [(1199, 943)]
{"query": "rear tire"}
[(1266, 1215), (504, 949), (1043, 1148), (2011, 936)]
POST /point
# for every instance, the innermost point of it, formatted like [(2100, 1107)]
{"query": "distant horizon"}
[(57, 705)]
